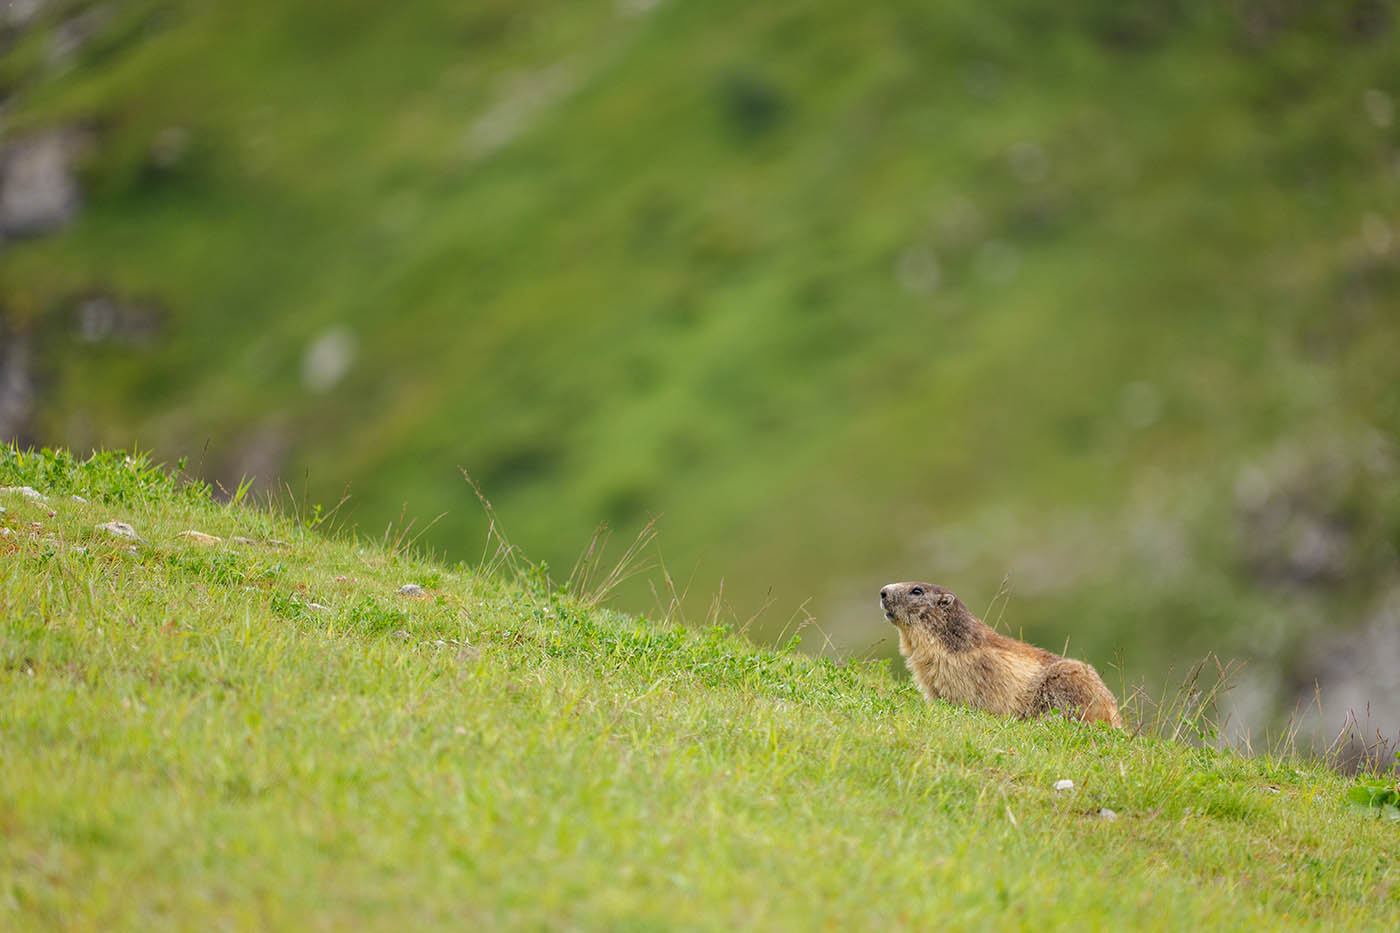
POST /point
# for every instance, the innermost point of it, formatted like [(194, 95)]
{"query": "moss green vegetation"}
[(843, 290), (261, 731)]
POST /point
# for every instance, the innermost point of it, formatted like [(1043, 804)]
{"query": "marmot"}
[(955, 655)]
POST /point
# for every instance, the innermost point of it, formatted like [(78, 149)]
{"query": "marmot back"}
[(955, 655)]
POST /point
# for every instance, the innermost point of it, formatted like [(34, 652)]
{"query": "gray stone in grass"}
[(29, 492), (1064, 785), (119, 529), (1107, 815), (79, 499), (411, 589), (317, 607), (200, 537)]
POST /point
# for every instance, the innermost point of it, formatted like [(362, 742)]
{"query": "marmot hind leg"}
[(1075, 689)]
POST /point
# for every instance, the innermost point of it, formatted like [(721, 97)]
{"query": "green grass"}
[(187, 741)]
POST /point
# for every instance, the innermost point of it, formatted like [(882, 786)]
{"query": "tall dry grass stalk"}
[(589, 585)]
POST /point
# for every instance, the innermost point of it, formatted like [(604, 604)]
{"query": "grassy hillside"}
[(261, 730), (845, 291)]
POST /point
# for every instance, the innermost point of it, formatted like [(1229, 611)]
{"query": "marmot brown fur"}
[(955, 655)]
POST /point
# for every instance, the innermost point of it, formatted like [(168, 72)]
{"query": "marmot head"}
[(921, 604)]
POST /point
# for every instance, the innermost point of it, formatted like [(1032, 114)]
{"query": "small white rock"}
[(6, 533), (79, 499), (1064, 785), (199, 537), (317, 607), (29, 492), (410, 589), (120, 529), (1107, 815)]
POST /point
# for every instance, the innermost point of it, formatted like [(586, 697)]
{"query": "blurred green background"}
[(1094, 303)]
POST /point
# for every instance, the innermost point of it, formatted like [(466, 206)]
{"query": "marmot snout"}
[(956, 656)]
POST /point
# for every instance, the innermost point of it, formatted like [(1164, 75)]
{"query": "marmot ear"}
[(946, 599)]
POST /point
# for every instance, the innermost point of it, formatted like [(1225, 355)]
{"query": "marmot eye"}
[(917, 591)]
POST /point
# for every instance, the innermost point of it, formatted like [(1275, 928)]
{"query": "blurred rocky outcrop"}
[(38, 188), (74, 33), (259, 454), (16, 386), (20, 13), (1356, 674), (1319, 513), (1318, 521), (104, 318)]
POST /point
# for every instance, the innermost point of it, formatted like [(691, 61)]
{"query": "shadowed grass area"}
[(263, 731)]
